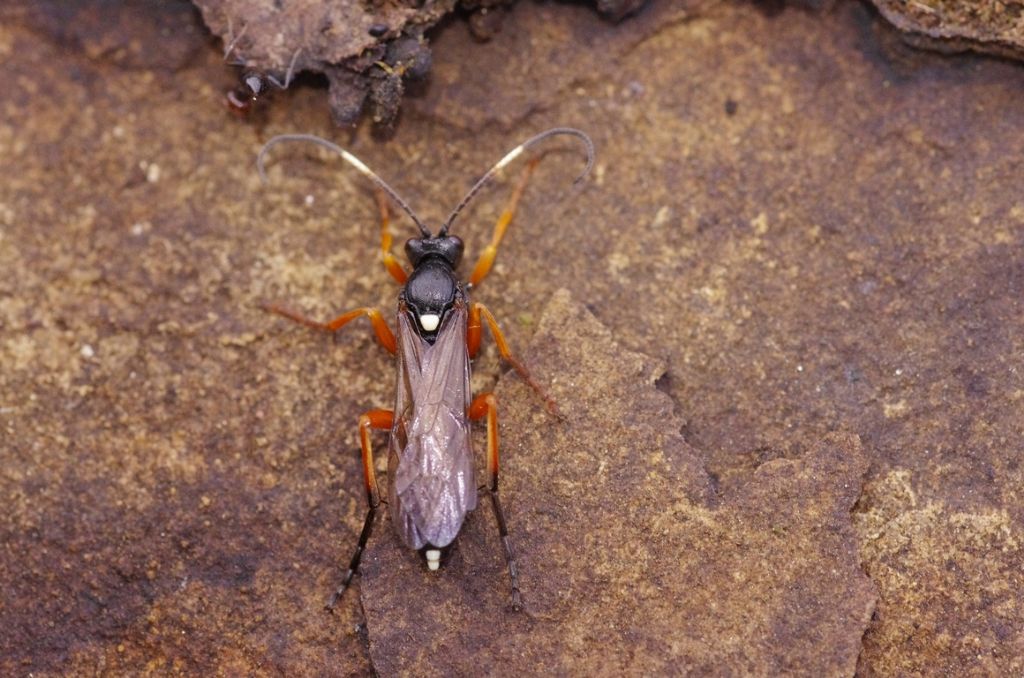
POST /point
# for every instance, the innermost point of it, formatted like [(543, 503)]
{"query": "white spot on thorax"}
[(430, 321)]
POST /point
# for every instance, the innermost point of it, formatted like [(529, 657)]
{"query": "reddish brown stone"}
[(990, 26), (805, 226), (631, 565)]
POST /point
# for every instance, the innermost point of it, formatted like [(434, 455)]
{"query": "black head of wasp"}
[(431, 478)]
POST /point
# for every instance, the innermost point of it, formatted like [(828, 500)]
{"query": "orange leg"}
[(486, 405), (486, 260), (380, 327), (474, 332), (390, 261), (382, 421), (378, 419)]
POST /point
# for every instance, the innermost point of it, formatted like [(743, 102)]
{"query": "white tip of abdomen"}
[(433, 559)]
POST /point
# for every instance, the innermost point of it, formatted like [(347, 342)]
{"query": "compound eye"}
[(414, 250), (429, 321), (453, 249)]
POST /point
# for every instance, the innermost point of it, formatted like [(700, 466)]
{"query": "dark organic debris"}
[(369, 52), (366, 52)]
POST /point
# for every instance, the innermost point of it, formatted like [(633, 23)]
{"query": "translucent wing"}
[(430, 458)]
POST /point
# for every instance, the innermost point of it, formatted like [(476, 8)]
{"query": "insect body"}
[(251, 88), (431, 477), (253, 85)]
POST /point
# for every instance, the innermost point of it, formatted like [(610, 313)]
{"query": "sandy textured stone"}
[(631, 565), (992, 26), (807, 226), (950, 582), (542, 49)]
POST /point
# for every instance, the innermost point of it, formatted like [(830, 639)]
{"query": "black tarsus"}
[(506, 544), (353, 566)]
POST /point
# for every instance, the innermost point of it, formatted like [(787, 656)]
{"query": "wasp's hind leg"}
[(378, 419), (486, 405)]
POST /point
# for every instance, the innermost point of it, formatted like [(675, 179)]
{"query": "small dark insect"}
[(253, 85), (431, 478)]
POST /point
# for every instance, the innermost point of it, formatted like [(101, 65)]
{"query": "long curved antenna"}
[(512, 155), (347, 157)]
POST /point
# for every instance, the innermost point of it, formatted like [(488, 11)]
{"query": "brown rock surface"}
[(809, 226), (994, 26), (630, 564), (543, 50)]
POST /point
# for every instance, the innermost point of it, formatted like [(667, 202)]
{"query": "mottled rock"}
[(804, 225), (988, 26), (630, 563), (949, 581), (543, 49)]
